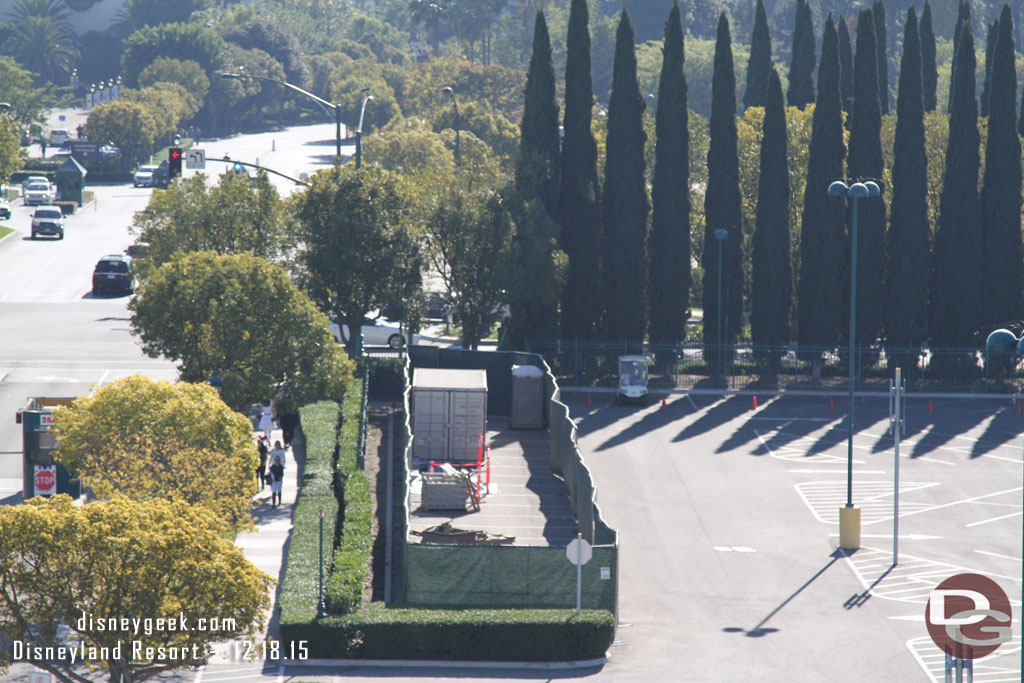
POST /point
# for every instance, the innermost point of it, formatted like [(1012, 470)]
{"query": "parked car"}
[(145, 176), (48, 220), (378, 332), (59, 137), (113, 273), (38, 193), (5, 209)]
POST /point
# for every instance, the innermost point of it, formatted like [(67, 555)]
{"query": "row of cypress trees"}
[(623, 280)]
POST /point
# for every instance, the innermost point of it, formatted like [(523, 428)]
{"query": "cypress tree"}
[(625, 197), (820, 288), (801, 64), (882, 55), (845, 66), (1000, 189), (760, 62), (864, 160), (906, 310), (990, 44), (1020, 121), (929, 70), (722, 203), (956, 274), (670, 279), (771, 291), (963, 18), (580, 210), (533, 298)]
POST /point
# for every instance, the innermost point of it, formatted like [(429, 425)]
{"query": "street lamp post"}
[(359, 131), (334, 108), (849, 516), (720, 235), (448, 90)]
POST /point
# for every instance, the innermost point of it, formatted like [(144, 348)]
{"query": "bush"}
[(344, 590), (298, 598), (67, 208), (476, 634)]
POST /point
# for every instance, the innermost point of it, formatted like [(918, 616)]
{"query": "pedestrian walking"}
[(266, 424), (261, 469), (276, 481)]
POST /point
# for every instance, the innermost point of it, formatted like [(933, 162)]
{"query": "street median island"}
[(450, 601)]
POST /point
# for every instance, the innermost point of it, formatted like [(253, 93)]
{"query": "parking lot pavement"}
[(728, 520)]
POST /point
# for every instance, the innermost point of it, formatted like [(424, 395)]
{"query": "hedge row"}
[(344, 590), (299, 589), (477, 635)]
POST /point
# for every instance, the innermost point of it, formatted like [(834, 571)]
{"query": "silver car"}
[(38, 193)]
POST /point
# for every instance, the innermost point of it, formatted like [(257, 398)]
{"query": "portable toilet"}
[(527, 398), (449, 413)]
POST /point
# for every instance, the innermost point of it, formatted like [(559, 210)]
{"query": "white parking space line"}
[(1005, 557), (824, 498), (1001, 665), (792, 453), (993, 519)]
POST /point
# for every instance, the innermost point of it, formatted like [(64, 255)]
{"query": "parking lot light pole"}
[(335, 108), (720, 235), (849, 516), (448, 90), (359, 131)]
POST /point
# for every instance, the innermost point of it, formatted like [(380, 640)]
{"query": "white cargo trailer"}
[(449, 413)]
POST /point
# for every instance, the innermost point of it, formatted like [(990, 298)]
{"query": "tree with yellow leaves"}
[(150, 439), (109, 572)]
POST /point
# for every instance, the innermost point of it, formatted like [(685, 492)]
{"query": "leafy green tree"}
[(801, 65), (668, 289), (100, 58), (537, 168), (580, 192), (986, 87), (1001, 189), (881, 54), (864, 160), (722, 206), (820, 287), (43, 39), (909, 240), (497, 88), (244, 317), (471, 247), (129, 126), (492, 128), (772, 290), (955, 297), (268, 37), (845, 65), (429, 14), (536, 275), (144, 438), (240, 102), (348, 93), (122, 558), (238, 215), (196, 42), (929, 71), (167, 104), (185, 73), (136, 14), (27, 102), (760, 64), (12, 155), (625, 207), (369, 207)]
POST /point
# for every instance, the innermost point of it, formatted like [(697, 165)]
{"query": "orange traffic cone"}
[(1018, 407), (831, 403), (589, 404), (931, 409), (754, 407), (663, 404)]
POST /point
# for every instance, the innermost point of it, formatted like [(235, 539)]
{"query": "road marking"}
[(690, 398), (836, 471), (909, 537), (103, 377), (998, 666), (824, 498), (789, 452), (1005, 557), (734, 548), (994, 519), (794, 419)]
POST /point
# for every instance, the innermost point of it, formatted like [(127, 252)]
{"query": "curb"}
[(447, 664)]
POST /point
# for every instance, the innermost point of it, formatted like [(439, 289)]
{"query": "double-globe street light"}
[(849, 516), (335, 108), (359, 130)]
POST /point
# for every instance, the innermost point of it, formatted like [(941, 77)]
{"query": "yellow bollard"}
[(849, 528)]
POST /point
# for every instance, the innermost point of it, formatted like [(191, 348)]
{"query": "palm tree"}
[(42, 38), (428, 13)]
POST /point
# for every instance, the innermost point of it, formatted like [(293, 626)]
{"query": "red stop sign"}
[(46, 482)]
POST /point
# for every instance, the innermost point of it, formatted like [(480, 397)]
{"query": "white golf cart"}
[(632, 380)]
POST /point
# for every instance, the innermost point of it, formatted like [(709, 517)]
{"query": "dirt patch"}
[(376, 473)]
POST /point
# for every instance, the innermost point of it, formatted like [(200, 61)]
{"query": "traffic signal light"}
[(174, 162)]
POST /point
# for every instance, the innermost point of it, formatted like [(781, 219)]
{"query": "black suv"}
[(113, 273)]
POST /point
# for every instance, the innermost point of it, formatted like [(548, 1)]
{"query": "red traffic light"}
[(175, 153), (174, 162)]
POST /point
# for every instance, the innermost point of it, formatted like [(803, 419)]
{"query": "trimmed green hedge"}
[(298, 598), (477, 635), (344, 590)]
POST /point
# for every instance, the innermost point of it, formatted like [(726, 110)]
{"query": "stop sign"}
[(46, 481), (578, 551)]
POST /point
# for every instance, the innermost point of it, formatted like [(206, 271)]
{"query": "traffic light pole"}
[(229, 160)]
